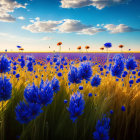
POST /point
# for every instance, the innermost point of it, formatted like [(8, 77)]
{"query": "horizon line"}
[(70, 52)]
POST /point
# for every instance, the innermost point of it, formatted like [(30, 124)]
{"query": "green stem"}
[(2, 123), (75, 131)]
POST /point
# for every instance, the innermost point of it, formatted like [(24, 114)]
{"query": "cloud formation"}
[(121, 28), (21, 18), (75, 26), (100, 4), (42, 26), (8, 6), (63, 26)]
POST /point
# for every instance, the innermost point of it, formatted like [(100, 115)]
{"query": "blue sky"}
[(38, 24)]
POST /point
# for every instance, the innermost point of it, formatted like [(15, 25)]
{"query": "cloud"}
[(37, 18), (121, 28), (91, 31), (69, 26), (8, 6), (100, 4), (64, 26), (42, 26), (32, 21), (7, 18), (75, 26), (21, 18)]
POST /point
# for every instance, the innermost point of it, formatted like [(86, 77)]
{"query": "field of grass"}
[(114, 98)]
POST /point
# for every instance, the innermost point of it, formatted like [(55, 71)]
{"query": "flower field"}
[(69, 96)]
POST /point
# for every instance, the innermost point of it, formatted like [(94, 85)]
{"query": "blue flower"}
[(139, 73), (76, 106), (117, 70), (17, 75), (111, 112), (107, 72), (14, 63), (131, 64), (5, 65), (54, 59), (65, 63), (27, 112), (59, 74), (134, 72), (58, 63), (65, 101), (131, 81), (123, 108), (30, 66), (55, 85), (117, 80), (108, 45), (102, 129), (61, 67), (96, 81), (14, 68), (90, 94), (105, 66), (30, 58), (80, 87), (5, 89), (45, 95), (73, 75), (138, 80), (125, 72), (51, 63), (14, 72), (101, 69), (22, 64), (81, 59), (84, 58), (118, 57), (31, 94), (118, 67), (48, 58), (18, 46), (85, 71), (62, 59), (110, 60)]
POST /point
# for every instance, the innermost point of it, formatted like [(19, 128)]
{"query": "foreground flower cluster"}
[(45, 79)]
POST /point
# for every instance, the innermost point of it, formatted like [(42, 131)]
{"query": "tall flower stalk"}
[(107, 46)]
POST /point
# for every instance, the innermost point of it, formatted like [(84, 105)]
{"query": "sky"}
[(38, 25)]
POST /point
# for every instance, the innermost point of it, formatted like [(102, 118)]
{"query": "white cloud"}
[(121, 28), (21, 18), (75, 26), (69, 26), (7, 18), (32, 21), (37, 18), (64, 26), (91, 31), (100, 4), (8, 6), (42, 26)]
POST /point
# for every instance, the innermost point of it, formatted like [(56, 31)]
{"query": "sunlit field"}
[(69, 96)]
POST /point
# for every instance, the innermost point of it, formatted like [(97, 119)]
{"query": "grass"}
[(54, 123)]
